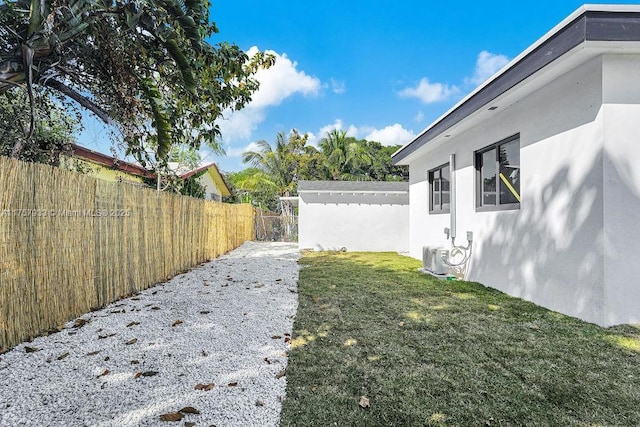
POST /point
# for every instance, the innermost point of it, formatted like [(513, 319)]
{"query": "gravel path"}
[(212, 341)]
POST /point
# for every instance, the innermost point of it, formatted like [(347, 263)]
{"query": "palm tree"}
[(344, 156), (278, 167)]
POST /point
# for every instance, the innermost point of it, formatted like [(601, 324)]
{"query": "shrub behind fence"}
[(70, 243)]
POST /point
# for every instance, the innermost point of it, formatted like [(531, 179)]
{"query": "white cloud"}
[(419, 117), (487, 65), (240, 125), (277, 83), (338, 87), (429, 93), (391, 135), (281, 81), (237, 152), (338, 125)]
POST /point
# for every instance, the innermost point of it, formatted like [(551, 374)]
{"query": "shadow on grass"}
[(432, 352)]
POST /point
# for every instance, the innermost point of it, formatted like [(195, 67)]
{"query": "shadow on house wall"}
[(557, 251)]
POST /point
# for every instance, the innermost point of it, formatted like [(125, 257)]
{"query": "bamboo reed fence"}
[(70, 243)]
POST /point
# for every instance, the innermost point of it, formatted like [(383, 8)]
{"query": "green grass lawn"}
[(431, 352)]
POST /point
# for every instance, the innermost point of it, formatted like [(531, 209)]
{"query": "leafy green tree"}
[(53, 131), (345, 157), (253, 186), (275, 170), (192, 187), (185, 156), (143, 65), (381, 167)]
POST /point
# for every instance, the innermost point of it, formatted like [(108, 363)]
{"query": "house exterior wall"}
[(212, 192), (99, 171), (355, 222), (552, 250), (621, 188)]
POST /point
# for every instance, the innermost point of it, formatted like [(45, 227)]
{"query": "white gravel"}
[(226, 322)]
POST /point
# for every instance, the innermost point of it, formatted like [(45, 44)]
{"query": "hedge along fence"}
[(70, 243)]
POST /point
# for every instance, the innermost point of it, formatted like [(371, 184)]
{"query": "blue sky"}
[(379, 70)]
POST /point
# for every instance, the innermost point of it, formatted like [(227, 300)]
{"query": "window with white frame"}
[(498, 175), (439, 189)]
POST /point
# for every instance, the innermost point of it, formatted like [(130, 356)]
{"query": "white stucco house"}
[(353, 215), (541, 163)]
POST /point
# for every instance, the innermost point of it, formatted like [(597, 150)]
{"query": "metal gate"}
[(276, 228)]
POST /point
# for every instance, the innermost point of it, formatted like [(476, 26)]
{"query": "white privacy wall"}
[(573, 244), (356, 222)]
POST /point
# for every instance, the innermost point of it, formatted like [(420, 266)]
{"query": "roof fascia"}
[(110, 162)]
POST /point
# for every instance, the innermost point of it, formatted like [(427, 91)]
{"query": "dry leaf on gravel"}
[(30, 349), (176, 323), (205, 387), (146, 374), (104, 373), (259, 403), (276, 337), (364, 402), (62, 356), (189, 410), (80, 323), (93, 353), (281, 374), (132, 324), (232, 384), (132, 341), (171, 416)]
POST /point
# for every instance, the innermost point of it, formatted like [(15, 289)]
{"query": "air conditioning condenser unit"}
[(433, 260)]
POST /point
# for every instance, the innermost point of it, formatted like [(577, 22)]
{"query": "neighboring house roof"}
[(352, 186), (589, 31), (215, 174), (137, 170), (110, 162)]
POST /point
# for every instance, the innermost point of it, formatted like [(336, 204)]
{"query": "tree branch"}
[(86, 103), (8, 84)]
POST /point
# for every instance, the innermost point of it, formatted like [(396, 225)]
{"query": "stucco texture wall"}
[(355, 223), (571, 245)]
